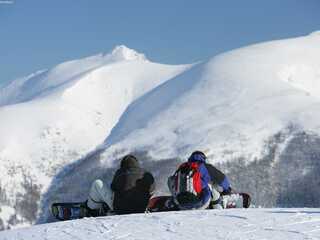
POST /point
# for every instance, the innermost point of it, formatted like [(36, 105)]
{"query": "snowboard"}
[(75, 210), (69, 210), (166, 203), (236, 200)]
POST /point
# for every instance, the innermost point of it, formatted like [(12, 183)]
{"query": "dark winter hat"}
[(197, 156), (129, 161)]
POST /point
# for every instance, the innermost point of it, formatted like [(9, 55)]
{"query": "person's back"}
[(132, 187), (213, 184), (190, 184)]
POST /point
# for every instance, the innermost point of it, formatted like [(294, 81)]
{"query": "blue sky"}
[(38, 34)]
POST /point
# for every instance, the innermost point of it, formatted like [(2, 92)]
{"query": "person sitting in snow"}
[(197, 184), (131, 189)]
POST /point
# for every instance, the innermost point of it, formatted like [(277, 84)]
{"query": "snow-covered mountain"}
[(254, 111), (54, 117), (281, 224), (230, 104)]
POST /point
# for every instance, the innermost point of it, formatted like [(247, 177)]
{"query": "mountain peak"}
[(122, 52)]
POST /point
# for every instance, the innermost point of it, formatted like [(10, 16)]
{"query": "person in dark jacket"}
[(131, 188)]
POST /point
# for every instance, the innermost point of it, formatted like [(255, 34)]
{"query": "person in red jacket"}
[(197, 184)]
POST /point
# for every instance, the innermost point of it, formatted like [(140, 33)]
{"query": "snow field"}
[(232, 224)]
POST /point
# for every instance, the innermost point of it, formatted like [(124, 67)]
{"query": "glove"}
[(227, 192)]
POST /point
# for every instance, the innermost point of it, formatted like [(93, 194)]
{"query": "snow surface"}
[(282, 224)]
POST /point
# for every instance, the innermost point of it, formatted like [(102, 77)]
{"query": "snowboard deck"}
[(75, 210), (69, 210), (165, 203)]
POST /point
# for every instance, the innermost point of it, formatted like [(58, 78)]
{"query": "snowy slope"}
[(54, 117), (42, 82), (229, 105), (282, 224)]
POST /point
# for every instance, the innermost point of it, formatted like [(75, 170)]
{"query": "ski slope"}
[(235, 224)]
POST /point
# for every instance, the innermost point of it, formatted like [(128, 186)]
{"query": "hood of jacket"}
[(129, 161), (197, 156)]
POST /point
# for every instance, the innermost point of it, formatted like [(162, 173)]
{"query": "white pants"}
[(99, 194), (215, 196)]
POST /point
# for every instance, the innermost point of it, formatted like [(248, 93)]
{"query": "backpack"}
[(187, 182)]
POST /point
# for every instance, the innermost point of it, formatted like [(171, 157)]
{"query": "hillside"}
[(228, 105)]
